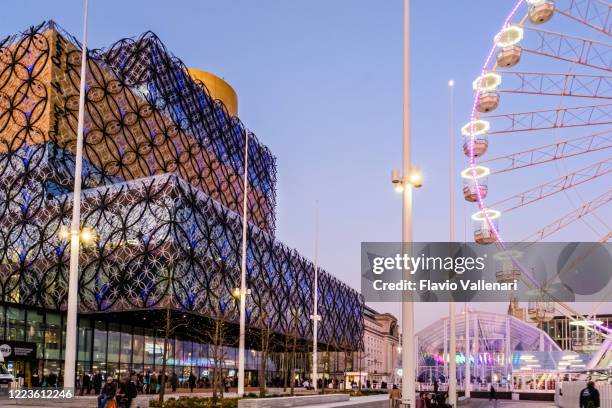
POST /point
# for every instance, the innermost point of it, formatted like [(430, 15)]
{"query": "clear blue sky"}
[(319, 82)]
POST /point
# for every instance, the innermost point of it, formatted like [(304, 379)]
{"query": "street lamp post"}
[(315, 316), (452, 363), (73, 278), (408, 370), (468, 354), (410, 178), (452, 357), (243, 288)]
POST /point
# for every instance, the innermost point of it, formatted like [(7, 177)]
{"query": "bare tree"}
[(172, 323), (266, 337), (294, 332), (285, 361), (264, 332), (217, 336), (327, 366)]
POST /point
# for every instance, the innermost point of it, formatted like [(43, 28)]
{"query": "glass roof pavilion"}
[(490, 331)]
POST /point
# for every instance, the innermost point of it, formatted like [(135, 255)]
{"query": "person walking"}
[(147, 383), (153, 386), (132, 392), (395, 396), (126, 392), (140, 382), (161, 377), (85, 383), (420, 401), (121, 396), (97, 382), (35, 379), (192, 381), (427, 400), (173, 381), (492, 393), (589, 397), (52, 379)]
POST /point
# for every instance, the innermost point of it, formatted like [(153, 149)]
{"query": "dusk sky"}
[(320, 83)]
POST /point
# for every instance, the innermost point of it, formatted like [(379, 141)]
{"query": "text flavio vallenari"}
[(446, 286), (456, 265)]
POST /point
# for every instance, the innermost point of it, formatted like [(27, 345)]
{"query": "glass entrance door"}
[(21, 370)]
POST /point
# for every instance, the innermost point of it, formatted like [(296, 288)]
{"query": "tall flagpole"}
[(243, 288), (452, 362), (315, 317), (73, 279), (408, 352)]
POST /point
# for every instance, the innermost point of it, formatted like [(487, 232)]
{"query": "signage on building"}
[(18, 350)]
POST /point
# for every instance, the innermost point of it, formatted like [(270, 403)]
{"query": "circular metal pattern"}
[(162, 187)]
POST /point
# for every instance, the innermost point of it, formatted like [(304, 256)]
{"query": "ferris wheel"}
[(539, 135)]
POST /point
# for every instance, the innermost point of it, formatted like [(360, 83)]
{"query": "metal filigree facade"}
[(161, 189)]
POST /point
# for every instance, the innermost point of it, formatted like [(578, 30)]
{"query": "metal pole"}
[(408, 369), (452, 358), (73, 279), (476, 346), (507, 348), (452, 362), (243, 288), (315, 316), (445, 351), (468, 375)]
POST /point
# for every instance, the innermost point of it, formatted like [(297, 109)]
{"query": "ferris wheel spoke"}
[(570, 217), (577, 50), (606, 237), (574, 85), (552, 119), (555, 186), (551, 152), (596, 14)]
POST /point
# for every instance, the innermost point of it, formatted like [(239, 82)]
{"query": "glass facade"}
[(118, 349)]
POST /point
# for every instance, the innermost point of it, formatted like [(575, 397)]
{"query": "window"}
[(36, 330), (52, 336), (99, 342), (170, 356), (84, 341), (114, 343), (126, 344), (178, 351), (16, 324), (138, 348), (159, 350), (188, 349), (2, 322), (149, 347)]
